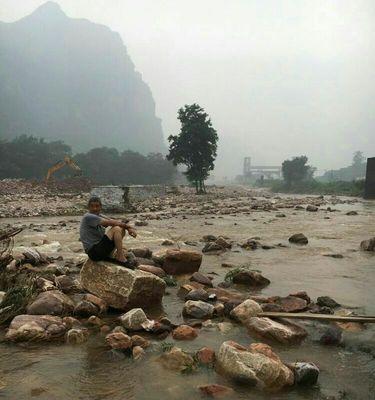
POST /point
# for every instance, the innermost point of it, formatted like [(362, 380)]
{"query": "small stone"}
[(223, 243), (152, 270), (202, 279), (76, 336), (198, 309), (176, 359), (250, 278), (298, 238), (134, 319), (85, 309), (118, 341), (368, 245), (65, 283), (184, 332), (140, 341), (100, 303), (215, 390), (326, 301), (227, 265), (71, 322), (197, 294), (312, 208), (206, 355), (245, 310), (352, 213), (105, 329), (305, 373), (138, 352), (212, 247), (167, 242), (332, 336), (95, 321)]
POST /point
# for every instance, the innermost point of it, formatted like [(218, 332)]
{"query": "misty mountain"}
[(71, 79)]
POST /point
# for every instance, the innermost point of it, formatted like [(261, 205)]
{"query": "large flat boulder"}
[(35, 327), (120, 287), (281, 331), (178, 261), (255, 366)]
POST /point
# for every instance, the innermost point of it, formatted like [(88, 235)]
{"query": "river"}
[(90, 371)]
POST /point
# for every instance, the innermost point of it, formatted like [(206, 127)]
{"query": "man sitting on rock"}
[(98, 243)]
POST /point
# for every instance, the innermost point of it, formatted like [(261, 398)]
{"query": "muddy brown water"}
[(90, 371)]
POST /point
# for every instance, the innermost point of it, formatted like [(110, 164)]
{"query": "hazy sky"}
[(279, 78)]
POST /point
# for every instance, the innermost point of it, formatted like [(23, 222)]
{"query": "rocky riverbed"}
[(207, 262)]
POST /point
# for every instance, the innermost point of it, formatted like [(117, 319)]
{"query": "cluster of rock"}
[(27, 198), (22, 198)]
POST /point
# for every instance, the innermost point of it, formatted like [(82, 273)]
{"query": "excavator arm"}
[(67, 161)]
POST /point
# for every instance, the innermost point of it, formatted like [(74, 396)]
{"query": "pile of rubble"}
[(23, 198)]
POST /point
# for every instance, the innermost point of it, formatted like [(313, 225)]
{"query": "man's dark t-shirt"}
[(91, 232)]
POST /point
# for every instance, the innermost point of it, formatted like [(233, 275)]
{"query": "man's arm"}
[(115, 222)]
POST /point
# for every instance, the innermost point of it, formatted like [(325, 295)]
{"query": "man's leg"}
[(117, 234)]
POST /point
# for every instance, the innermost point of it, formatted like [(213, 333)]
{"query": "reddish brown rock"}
[(177, 261), (215, 390), (302, 295), (206, 355), (289, 303), (118, 341), (100, 303), (202, 279), (184, 332), (153, 270)]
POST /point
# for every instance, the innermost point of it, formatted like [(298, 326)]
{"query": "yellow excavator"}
[(66, 161)]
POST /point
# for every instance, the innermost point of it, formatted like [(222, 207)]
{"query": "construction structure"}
[(251, 172), (370, 179)]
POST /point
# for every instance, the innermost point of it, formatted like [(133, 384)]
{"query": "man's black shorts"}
[(101, 250)]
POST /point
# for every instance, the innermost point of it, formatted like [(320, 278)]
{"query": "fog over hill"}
[(278, 78), (71, 79)]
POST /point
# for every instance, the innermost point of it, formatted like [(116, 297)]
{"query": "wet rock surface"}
[(120, 287), (256, 366)]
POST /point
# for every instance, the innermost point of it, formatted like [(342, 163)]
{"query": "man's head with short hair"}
[(94, 205)]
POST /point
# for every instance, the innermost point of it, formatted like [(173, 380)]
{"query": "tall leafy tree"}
[(296, 170), (195, 146)]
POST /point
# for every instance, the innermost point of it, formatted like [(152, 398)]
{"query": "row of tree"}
[(297, 170), (29, 157), (194, 147)]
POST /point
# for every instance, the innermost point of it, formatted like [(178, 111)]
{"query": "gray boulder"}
[(52, 302), (35, 328), (198, 309)]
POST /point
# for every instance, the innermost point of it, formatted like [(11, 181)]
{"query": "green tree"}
[(195, 146), (30, 157), (296, 170), (358, 159)]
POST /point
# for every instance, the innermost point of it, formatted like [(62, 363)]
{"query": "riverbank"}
[(184, 221)]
